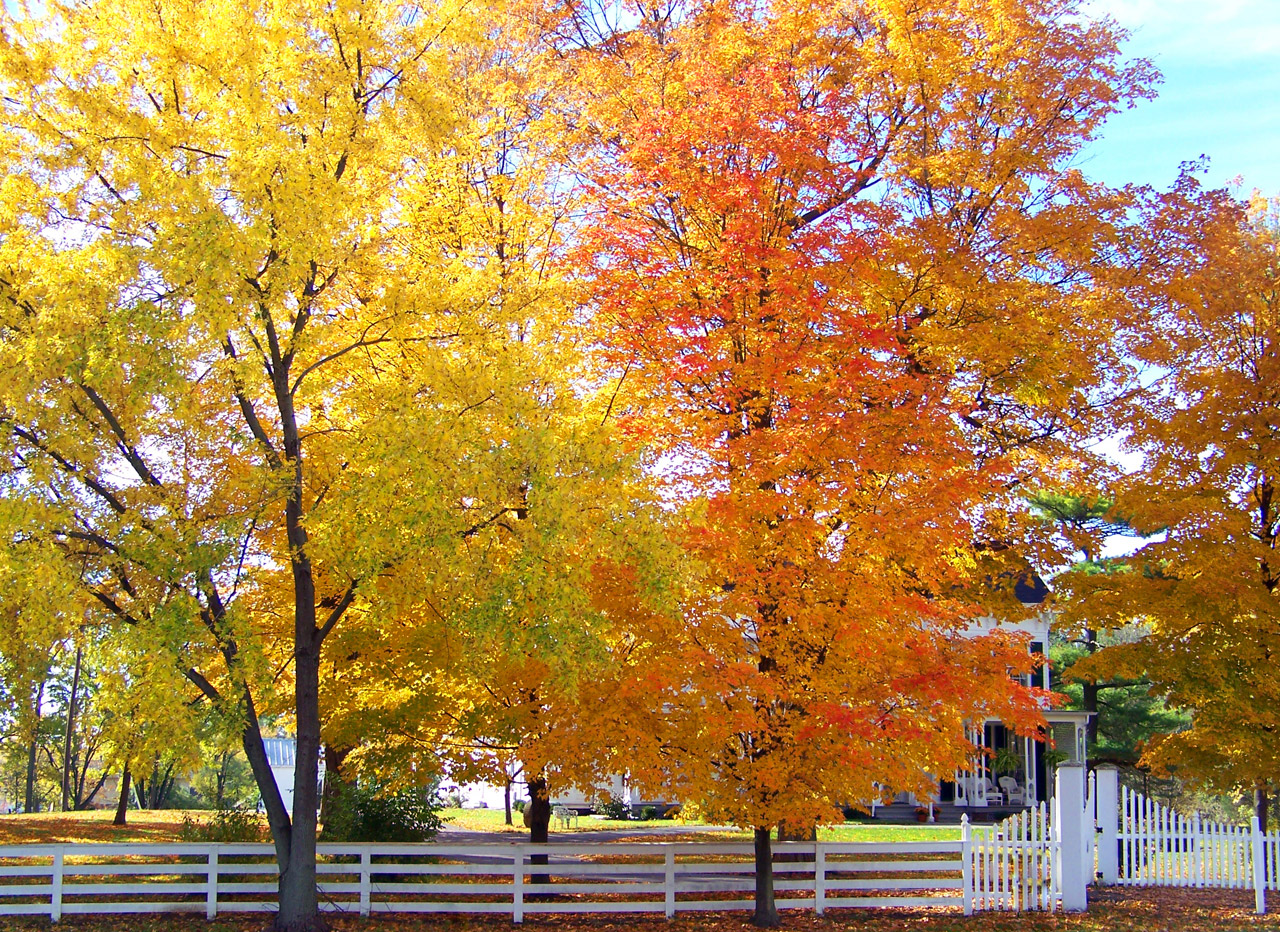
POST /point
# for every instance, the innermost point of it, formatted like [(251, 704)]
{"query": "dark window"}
[(1037, 675)]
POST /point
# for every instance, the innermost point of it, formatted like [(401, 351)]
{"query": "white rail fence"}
[(1040, 859), (57, 880)]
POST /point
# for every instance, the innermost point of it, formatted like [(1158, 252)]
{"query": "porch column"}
[(1029, 770), (980, 775)]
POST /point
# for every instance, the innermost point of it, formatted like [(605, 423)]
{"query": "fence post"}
[(1259, 866), (55, 898), (1107, 797), (966, 864), (669, 882), (211, 885), (1069, 799), (366, 863), (517, 885), (819, 878)]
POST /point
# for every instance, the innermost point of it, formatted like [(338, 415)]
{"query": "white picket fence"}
[(1014, 863), (1158, 846), (58, 880)]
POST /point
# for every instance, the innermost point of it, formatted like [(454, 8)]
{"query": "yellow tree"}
[(41, 605), (848, 283), (238, 373), (481, 649), (504, 644), (1205, 585)]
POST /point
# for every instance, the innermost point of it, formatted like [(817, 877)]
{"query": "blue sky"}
[(1220, 96)]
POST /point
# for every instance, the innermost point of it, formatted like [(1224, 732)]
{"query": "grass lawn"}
[(861, 831), (491, 820), (161, 825), (145, 825), (1115, 910)]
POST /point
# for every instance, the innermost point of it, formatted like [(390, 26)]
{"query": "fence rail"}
[(510, 879)]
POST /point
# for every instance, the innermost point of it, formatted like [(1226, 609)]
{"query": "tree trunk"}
[(1261, 804), (788, 832), (67, 765), (539, 821), (220, 782), (29, 803), (333, 780), (506, 802), (81, 801), (122, 805), (1089, 695), (766, 914), (159, 787), (299, 899), (256, 752)]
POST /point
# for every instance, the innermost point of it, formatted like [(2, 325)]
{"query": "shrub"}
[(613, 808), (371, 813), (648, 813), (224, 827)]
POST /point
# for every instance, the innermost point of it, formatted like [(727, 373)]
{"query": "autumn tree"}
[(237, 372), (1205, 583), (41, 607), (481, 648), (509, 646), (848, 284)]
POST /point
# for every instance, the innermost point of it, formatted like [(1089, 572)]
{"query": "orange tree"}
[(1204, 586), (848, 289)]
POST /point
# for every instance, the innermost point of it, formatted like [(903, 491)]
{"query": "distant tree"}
[(225, 779), (1085, 522), (1129, 716)]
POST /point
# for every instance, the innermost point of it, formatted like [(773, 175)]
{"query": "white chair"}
[(1013, 793), (991, 792), (564, 815)]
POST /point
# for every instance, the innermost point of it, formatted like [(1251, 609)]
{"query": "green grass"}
[(491, 820), (861, 831)]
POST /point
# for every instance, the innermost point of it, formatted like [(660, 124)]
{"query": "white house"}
[(1014, 770), (282, 754)]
